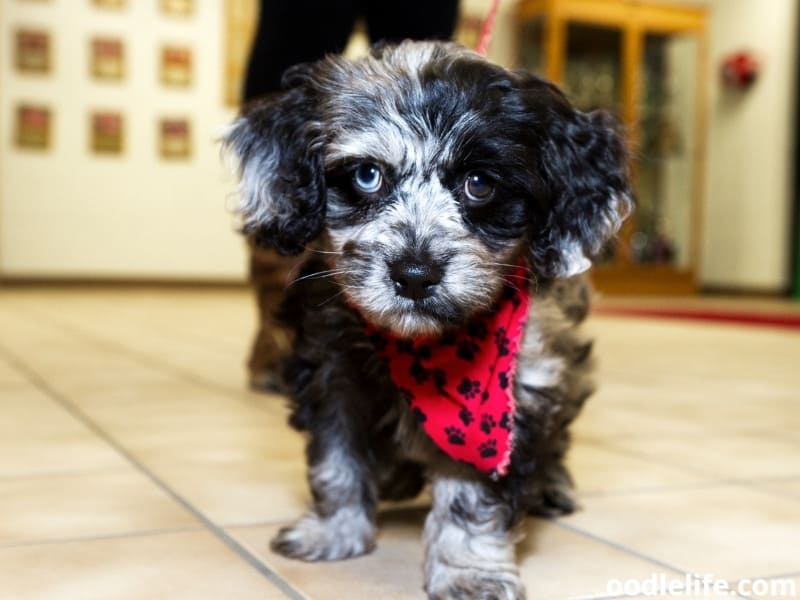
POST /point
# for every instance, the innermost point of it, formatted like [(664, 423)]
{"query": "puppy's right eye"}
[(478, 188), (368, 178)]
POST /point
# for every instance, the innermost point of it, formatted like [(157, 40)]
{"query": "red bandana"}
[(459, 386)]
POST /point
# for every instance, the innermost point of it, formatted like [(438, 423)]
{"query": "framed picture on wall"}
[(175, 138), (106, 132), (177, 7), (33, 127), (32, 51), (176, 66), (107, 58)]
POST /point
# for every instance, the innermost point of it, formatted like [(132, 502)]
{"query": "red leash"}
[(486, 30)]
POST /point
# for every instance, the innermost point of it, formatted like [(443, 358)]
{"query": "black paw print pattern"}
[(467, 349), (469, 388), (454, 435), (502, 377), (478, 330), (418, 372), (423, 352), (448, 339), (378, 341), (510, 293), (505, 421), (488, 448), (404, 346), (420, 416), (466, 416), (487, 423), (439, 378), (484, 396), (502, 341)]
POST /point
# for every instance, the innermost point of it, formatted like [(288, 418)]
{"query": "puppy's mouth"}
[(428, 317), (404, 312)]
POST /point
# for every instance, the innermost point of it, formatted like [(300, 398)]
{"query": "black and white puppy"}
[(416, 178)]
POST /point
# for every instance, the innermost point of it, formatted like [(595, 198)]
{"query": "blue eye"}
[(478, 188), (368, 178)]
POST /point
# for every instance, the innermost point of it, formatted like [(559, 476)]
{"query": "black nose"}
[(414, 279)]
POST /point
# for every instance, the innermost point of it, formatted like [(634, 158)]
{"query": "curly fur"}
[(427, 115)]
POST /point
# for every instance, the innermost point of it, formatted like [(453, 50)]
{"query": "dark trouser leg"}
[(269, 275)]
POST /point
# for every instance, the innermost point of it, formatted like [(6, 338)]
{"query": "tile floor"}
[(134, 463)]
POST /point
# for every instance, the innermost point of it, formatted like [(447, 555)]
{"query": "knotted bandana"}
[(459, 386)]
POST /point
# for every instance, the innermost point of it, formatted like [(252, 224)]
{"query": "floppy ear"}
[(282, 186), (583, 165)]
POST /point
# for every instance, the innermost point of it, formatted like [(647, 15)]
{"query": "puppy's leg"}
[(469, 544), (341, 523)]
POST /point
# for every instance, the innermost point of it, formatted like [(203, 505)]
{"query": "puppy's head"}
[(426, 171)]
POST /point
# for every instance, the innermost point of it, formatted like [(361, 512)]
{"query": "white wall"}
[(746, 233), (67, 212)]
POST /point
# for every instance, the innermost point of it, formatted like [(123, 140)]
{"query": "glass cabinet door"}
[(531, 46), (593, 67), (592, 80), (666, 152)]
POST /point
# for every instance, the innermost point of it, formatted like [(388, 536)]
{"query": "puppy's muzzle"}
[(415, 278)]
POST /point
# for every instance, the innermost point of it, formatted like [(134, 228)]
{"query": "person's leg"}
[(269, 274), (394, 21), (291, 32), (288, 32)]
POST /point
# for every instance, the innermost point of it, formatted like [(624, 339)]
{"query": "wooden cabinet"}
[(647, 64)]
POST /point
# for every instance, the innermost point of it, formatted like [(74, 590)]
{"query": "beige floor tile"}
[(598, 469), (97, 504), (168, 566), (151, 337), (555, 563), (207, 445), (730, 531), (61, 452), (37, 436), (168, 403), (9, 377), (241, 493), (719, 455), (786, 487)]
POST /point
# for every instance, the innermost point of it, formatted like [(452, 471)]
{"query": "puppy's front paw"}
[(462, 584), (336, 537)]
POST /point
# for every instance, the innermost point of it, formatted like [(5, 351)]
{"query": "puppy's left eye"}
[(368, 178), (478, 188)]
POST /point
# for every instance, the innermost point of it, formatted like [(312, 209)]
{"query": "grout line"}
[(620, 547), (97, 538), (33, 377), (741, 482), (144, 359)]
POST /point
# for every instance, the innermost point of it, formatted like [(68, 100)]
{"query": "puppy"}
[(447, 206)]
